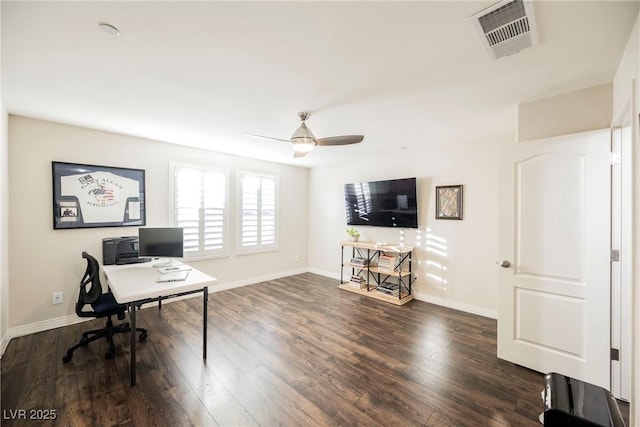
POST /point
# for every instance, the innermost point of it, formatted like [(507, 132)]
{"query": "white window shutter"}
[(200, 207), (258, 223)]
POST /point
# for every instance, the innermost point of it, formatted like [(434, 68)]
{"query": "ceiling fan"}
[(304, 141)]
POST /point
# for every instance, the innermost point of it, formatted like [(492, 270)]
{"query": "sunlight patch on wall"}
[(435, 268), (431, 257)]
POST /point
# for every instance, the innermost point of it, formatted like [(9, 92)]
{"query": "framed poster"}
[(449, 202), (89, 196)]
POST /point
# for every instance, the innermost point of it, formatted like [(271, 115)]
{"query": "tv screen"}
[(167, 242), (391, 203)]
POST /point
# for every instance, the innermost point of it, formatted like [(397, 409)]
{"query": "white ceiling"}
[(404, 74)]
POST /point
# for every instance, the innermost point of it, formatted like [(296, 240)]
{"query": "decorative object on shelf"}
[(86, 196), (387, 263), (358, 281), (388, 288), (353, 233), (359, 262), (449, 202)]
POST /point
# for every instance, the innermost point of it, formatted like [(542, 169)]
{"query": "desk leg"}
[(205, 292), (132, 324)]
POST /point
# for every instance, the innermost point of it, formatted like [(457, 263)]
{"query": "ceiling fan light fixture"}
[(303, 145)]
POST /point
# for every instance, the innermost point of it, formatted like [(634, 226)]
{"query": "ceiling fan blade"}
[(266, 137), (340, 140), (297, 154)]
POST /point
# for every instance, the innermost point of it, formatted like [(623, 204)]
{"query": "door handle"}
[(505, 264)]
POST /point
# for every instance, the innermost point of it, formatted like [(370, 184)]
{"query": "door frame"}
[(621, 239)]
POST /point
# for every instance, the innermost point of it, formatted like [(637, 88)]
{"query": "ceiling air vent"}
[(506, 27)]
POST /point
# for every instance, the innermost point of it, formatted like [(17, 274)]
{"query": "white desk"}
[(137, 284)]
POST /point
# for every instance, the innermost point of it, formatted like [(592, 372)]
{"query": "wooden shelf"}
[(393, 299), (375, 269), (394, 273)]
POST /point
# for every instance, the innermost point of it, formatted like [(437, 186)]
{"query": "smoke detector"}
[(506, 27)]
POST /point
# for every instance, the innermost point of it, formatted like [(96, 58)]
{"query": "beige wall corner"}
[(574, 112)]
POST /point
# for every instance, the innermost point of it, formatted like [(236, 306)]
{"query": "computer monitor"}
[(165, 242)]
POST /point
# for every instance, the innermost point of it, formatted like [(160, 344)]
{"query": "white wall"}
[(44, 260), (4, 230), (4, 220), (569, 113), (471, 245), (628, 69)]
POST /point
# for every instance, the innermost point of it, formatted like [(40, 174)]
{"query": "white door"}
[(554, 291)]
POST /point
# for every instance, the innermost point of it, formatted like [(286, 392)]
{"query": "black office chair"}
[(103, 305)]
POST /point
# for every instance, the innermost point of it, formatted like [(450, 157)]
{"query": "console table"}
[(378, 270)]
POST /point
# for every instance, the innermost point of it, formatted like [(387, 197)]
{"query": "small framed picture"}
[(449, 202)]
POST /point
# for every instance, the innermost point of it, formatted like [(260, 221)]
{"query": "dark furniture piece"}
[(572, 403), (102, 305)]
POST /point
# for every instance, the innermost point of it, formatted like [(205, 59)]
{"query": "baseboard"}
[(58, 322), (455, 305), (460, 306), (44, 325), (4, 343)]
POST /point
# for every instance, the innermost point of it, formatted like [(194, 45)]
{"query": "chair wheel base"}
[(67, 357), (142, 337), (111, 353)]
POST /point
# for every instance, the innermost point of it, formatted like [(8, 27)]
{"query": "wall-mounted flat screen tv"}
[(390, 203)]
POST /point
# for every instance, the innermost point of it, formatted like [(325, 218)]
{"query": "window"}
[(258, 224), (200, 199)]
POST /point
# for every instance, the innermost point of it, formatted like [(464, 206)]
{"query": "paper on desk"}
[(174, 268)]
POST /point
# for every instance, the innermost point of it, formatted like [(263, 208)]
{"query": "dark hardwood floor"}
[(295, 351)]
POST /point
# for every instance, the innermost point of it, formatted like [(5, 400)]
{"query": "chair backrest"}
[(90, 286)]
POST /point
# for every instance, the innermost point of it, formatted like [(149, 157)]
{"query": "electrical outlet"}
[(56, 298)]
